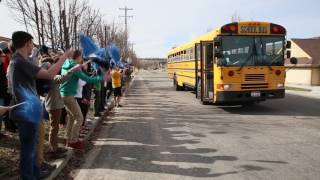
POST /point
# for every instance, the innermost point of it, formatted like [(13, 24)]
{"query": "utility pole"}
[(106, 35), (131, 45), (125, 9)]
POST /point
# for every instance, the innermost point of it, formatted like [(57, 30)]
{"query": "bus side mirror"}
[(288, 54), (294, 60), (217, 45), (288, 45), (217, 42), (218, 55)]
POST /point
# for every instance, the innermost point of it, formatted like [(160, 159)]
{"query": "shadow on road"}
[(139, 142), (292, 105), (152, 136)]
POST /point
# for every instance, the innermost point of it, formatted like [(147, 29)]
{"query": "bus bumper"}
[(247, 96)]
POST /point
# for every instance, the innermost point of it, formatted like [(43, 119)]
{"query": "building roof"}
[(4, 39), (311, 47)]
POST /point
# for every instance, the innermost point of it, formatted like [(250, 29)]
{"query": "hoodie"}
[(69, 87)]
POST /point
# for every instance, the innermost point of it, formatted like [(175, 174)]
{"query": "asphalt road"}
[(164, 134)]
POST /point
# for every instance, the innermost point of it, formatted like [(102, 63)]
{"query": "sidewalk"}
[(303, 90), (9, 147), (61, 164)]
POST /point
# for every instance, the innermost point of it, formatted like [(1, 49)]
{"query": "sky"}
[(158, 25)]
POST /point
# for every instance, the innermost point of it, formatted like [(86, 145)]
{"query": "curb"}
[(61, 163), (293, 88)]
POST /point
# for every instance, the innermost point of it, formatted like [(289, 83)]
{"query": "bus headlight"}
[(280, 86), (223, 87), (227, 87)]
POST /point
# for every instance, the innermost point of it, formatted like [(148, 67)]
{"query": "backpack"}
[(43, 86)]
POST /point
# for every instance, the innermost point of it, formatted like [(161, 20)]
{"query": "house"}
[(307, 71), (4, 39)]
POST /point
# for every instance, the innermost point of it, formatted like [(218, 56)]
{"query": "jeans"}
[(28, 133), (84, 109), (97, 104), (103, 96)]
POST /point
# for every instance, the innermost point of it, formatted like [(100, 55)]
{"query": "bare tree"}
[(58, 23)]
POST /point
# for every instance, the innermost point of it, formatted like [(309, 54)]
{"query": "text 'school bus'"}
[(239, 62)]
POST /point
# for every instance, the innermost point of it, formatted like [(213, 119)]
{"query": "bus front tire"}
[(176, 85)]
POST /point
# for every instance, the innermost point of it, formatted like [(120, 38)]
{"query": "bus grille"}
[(254, 77), (254, 86)]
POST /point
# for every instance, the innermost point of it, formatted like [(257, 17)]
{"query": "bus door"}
[(206, 69), (197, 70)]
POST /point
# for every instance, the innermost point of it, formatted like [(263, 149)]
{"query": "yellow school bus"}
[(238, 62)]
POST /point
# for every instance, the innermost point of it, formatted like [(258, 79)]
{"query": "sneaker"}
[(102, 110), (85, 128), (97, 116), (4, 136), (61, 151), (119, 105), (45, 166), (44, 174), (53, 155), (58, 154), (77, 145)]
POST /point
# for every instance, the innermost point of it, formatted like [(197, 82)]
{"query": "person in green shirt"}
[(68, 90)]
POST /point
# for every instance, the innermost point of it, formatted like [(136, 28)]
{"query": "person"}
[(4, 95), (3, 110), (68, 90), (116, 77), (85, 103), (5, 54), (22, 74), (54, 105), (109, 83), (97, 97), (42, 86), (44, 51), (3, 89), (83, 96)]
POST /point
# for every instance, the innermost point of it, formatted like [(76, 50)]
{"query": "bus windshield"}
[(252, 51)]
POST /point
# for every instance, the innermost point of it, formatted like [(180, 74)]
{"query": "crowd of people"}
[(62, 84)]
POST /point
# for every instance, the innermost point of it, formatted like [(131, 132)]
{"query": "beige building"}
[(4, 39), (307, 71)]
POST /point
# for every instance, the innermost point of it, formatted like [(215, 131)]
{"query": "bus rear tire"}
[(176, 85)]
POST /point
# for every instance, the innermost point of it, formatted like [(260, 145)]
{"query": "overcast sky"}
[(157, 25)]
